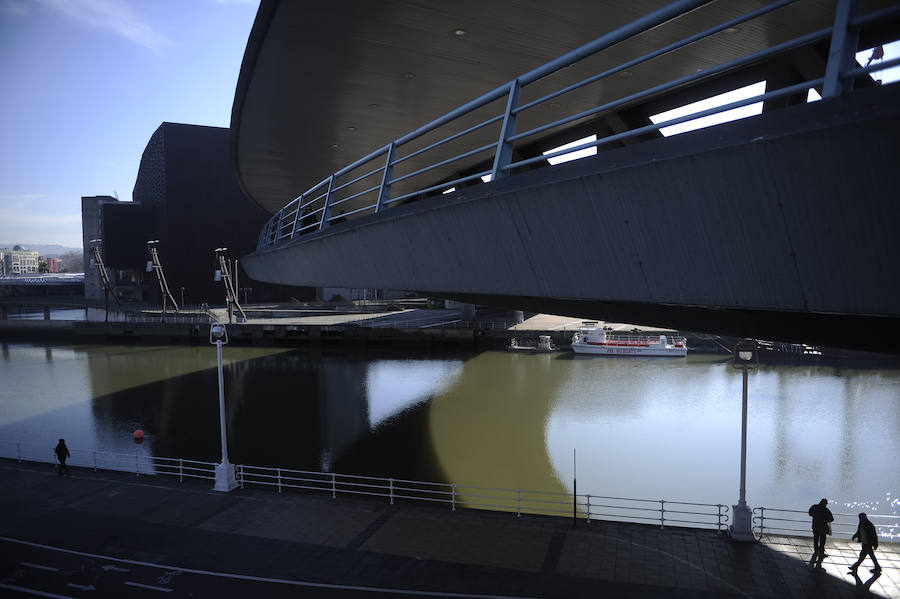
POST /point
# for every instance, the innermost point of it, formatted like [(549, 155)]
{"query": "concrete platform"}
[(110, 534)]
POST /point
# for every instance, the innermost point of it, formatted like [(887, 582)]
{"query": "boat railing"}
[(643, 339), (478, 142)]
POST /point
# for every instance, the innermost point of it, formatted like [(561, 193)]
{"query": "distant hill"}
[(48, 250)]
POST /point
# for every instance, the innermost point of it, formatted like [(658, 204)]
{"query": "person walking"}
[(62, 454), (868, 537), (821, 526)]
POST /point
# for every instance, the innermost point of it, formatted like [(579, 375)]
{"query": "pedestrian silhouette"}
[(868, 537), (62, 454), (821, 526)]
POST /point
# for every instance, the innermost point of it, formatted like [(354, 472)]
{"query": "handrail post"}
[(384, 192), (391, 481), (718, 517), (278, 217), (326, 211), (762, 518), (240, 473), (588, 508), (297, 215), (181, 470), (842, 53), (662, 514), (333, 486), (279, 479), (518, 503), (453, 497), (273, 232), (503, 153)]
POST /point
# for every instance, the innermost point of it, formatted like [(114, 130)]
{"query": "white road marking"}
[(298, 583), (81, 587), (39, 567), (109, 567), (33, 591), (147, 586)]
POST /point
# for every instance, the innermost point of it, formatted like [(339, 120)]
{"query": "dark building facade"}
[(187, 197)]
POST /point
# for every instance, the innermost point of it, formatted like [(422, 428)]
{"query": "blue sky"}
[(85, 84)]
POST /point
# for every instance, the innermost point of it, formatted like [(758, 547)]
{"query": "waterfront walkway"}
[(109, 534)]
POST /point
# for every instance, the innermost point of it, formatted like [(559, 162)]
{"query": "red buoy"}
[(138, 434)]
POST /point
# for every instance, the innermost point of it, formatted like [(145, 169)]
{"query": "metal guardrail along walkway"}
[(374, 183), (586, 507)]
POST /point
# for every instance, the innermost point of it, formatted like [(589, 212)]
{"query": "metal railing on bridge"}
[(488, 129)]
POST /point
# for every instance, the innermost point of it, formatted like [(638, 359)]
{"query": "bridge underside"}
[(782, 226)]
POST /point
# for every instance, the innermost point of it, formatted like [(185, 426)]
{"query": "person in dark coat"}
[(868, 537), (821, 522), (62, 454)]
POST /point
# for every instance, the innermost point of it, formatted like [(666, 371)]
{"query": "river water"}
[(640, 427)]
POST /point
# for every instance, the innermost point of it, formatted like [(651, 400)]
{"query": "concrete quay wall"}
[(288, 334)]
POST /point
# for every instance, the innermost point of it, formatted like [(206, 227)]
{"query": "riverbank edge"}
[(293, 334)]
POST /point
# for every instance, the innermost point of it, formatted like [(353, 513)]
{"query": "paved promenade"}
[(110, 534)]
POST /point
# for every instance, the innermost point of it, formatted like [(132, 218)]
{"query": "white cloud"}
[(113, 15), (13, 218)]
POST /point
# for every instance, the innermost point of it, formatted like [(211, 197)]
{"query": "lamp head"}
[(746, 354), (218, 333)]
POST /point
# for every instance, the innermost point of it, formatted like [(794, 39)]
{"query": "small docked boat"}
[(544, 345), (596, 340)]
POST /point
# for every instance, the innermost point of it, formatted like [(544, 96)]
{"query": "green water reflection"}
[(648, 428)]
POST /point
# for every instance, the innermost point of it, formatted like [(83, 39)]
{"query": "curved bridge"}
[(781, 226)]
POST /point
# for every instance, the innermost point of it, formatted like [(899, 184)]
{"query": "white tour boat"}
[(596, 340)]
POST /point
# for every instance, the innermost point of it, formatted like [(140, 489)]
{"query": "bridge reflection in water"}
[(642, 427)]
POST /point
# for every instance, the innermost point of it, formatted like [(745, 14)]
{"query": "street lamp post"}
[(746, 357), (225, 480)]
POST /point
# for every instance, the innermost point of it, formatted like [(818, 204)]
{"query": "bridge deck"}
[(151, 530)]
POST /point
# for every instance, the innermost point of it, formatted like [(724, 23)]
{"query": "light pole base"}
[(742, 529), (225, 480)]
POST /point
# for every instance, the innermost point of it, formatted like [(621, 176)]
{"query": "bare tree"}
[(72, 262)]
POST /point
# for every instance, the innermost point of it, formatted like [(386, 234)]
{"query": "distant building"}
[(52, 265), (19, 261), (42, 285), (187, 197)]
